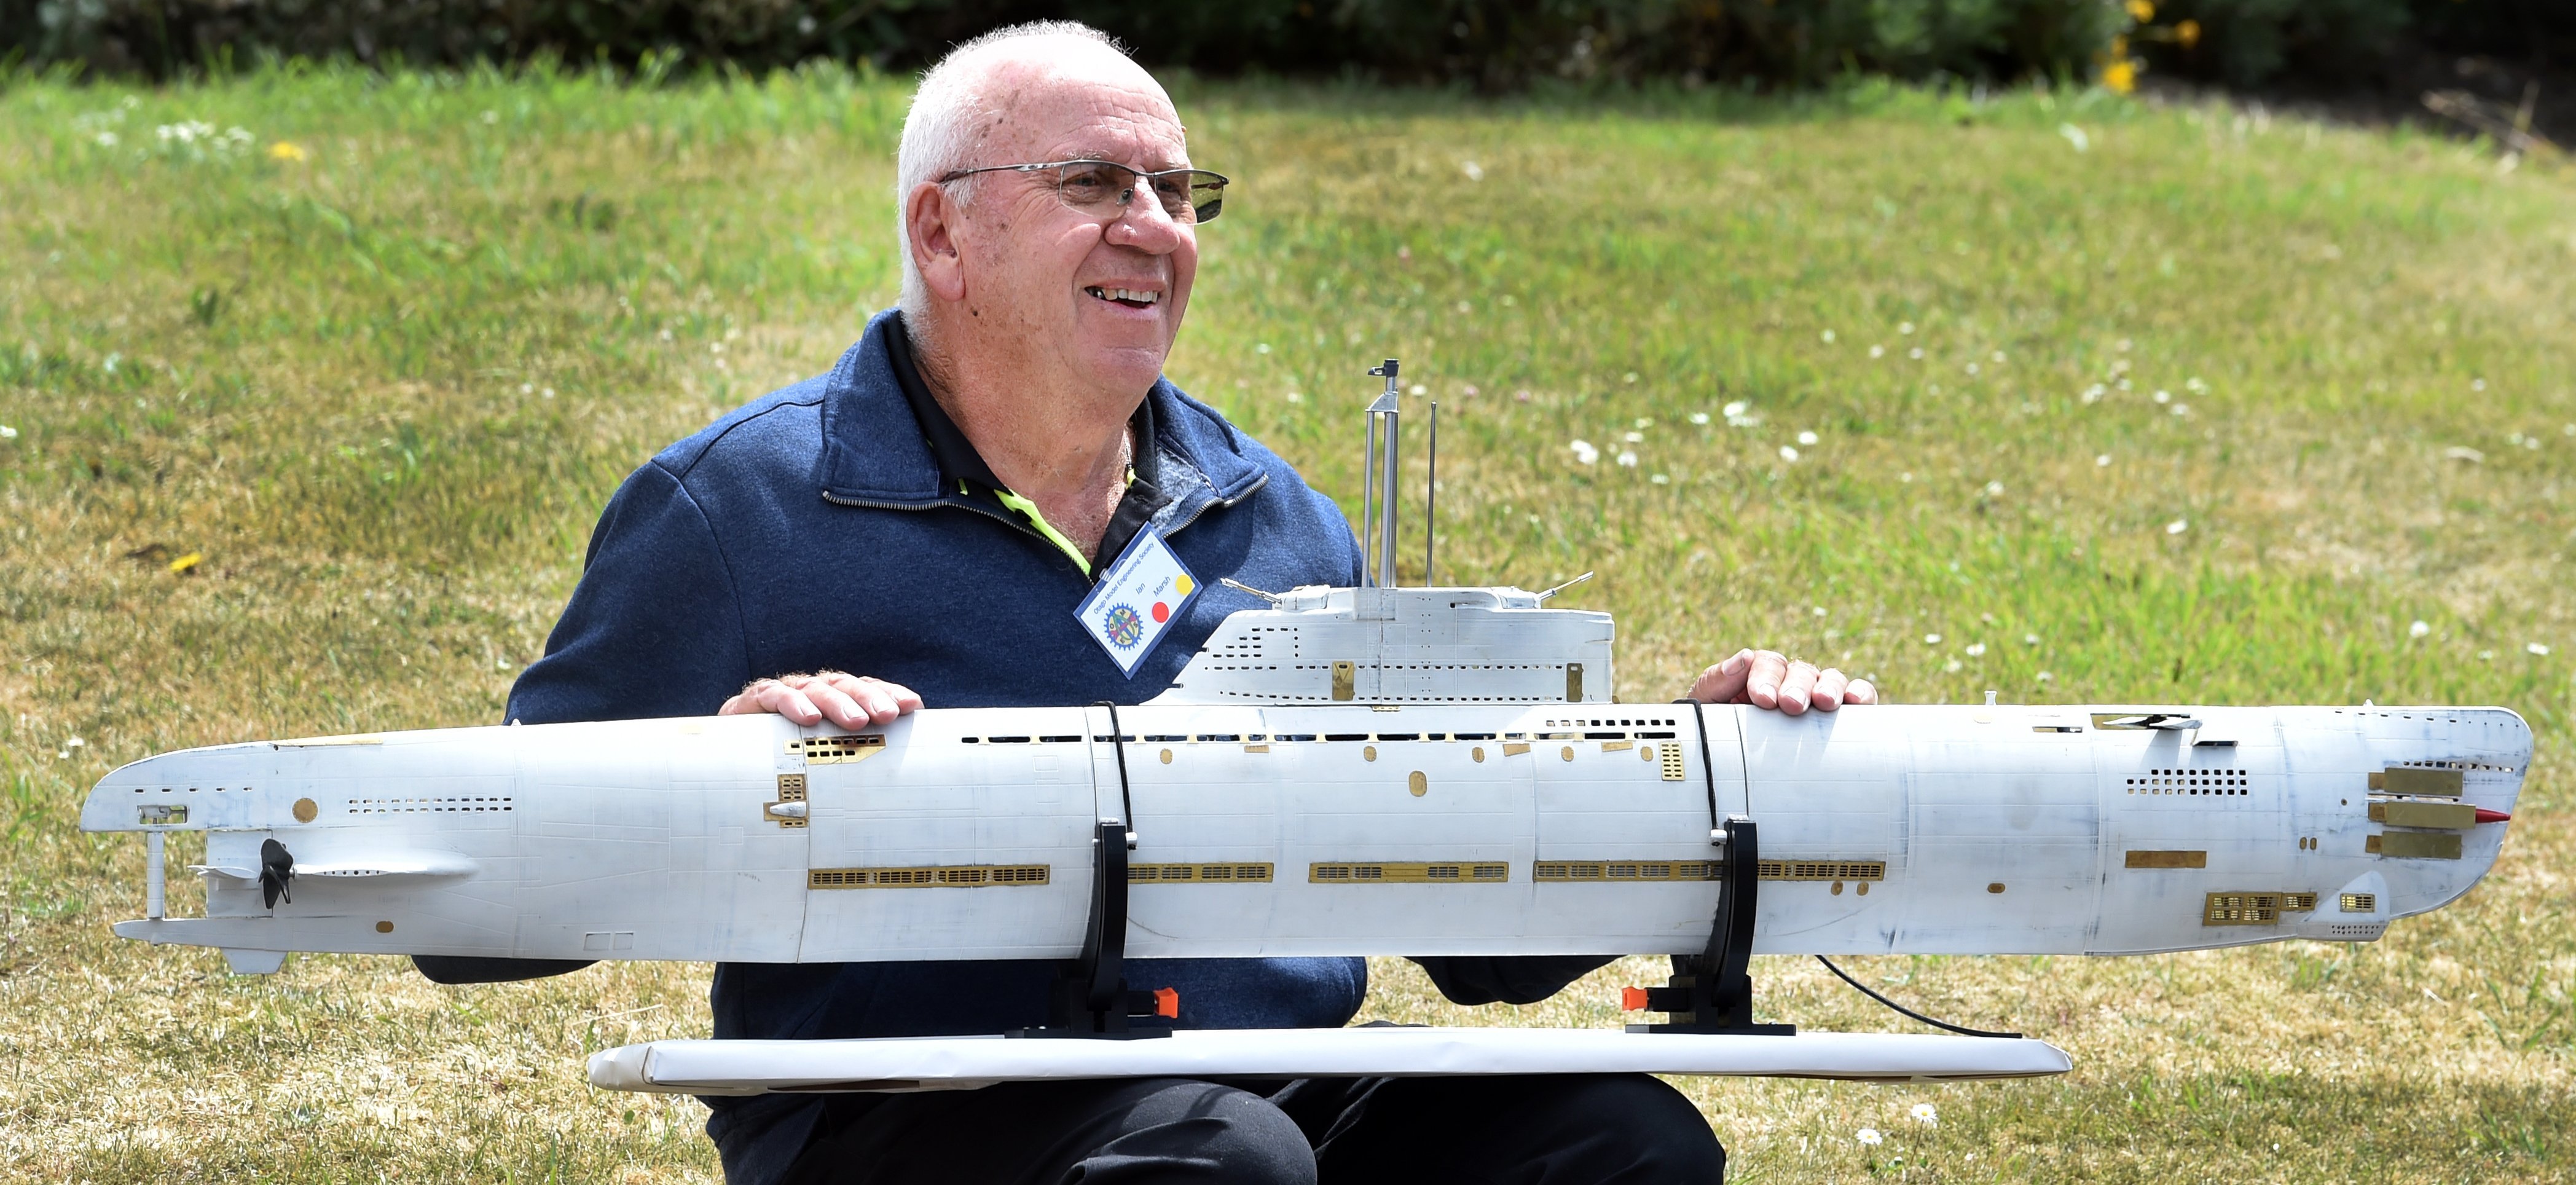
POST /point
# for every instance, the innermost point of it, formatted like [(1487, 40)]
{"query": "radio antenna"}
[(1368, 496), (1241, 587), (1431, 499), (1384, 454), (1542, 597)]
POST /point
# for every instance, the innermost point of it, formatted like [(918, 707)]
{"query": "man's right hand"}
[(851, 701)]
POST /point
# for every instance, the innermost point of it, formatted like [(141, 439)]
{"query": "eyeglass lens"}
[(1099, 187)]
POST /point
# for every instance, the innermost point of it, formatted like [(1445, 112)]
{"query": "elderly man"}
[(928, 515)]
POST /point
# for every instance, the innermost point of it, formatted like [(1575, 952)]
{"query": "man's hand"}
[(1768, 679), (847, 700)]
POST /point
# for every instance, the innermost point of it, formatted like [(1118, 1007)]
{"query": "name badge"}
[(1137, 600)]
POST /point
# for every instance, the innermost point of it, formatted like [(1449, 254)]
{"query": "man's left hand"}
[(1769, 679)]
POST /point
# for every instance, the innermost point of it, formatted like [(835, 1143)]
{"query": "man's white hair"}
[(939, 129)]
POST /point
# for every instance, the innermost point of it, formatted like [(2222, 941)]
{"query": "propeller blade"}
[(276, 873)]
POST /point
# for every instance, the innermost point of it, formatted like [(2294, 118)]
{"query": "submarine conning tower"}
[(1380, 643), (1372, 645)]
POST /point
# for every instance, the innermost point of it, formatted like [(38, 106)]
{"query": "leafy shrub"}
[(164, 37), (1794, 42), (2539, 30), (2248, 42), (2252, 42), (1489, 43)]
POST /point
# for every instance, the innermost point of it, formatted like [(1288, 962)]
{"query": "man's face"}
[(1094, 296)]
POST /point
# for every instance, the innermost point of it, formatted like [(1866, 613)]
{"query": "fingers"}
[(788, 700), (1749, 677), (1831, 685), (850, 701), (874, 701), (1770, 679), (1834, 689), (748, 701), (1724, 683), (1763, 681), (905, 698), (1797, 688), (838, 700)]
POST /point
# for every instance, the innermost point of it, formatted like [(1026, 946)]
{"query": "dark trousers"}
[(1591, 1129)]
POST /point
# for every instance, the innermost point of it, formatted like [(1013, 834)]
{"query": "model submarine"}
[(1369, 771), (1379, 770)]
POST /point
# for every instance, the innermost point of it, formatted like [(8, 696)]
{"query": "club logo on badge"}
[(1123, 625)]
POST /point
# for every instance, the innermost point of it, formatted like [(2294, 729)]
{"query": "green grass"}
[(383, 391)]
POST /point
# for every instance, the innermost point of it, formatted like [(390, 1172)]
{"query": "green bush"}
[(1492, 44), (165, 37), (2249, 42), (2539, 30), (1501, 45), (2328, 42), (1488, 44)]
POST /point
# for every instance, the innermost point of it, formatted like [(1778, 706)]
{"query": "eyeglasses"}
[(1103, 188)]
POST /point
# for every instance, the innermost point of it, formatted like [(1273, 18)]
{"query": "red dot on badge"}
[(1162, 612)]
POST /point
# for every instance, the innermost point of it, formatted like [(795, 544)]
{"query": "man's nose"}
[(1144, 224)]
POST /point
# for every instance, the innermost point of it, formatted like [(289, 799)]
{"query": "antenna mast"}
[(1377, 561), (1368, 503), (1431, 499)]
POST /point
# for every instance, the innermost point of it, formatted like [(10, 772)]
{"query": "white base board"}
[(968, 1063)]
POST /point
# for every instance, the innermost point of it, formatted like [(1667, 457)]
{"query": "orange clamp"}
[(1167, 1003), (1632, 999)]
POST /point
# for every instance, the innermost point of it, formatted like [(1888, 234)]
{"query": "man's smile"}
[(1134, 298)]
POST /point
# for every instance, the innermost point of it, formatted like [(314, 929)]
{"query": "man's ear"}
[(929, 220)]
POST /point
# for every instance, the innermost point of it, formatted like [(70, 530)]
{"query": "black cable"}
[(1707, 765), (1118, 739), (1962, 1030)]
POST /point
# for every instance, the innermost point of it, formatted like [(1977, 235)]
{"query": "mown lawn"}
[(2208, 407)]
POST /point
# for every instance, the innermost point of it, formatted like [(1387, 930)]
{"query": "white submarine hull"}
[(1344, 829)]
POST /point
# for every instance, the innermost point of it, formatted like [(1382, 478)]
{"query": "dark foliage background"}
[(1492, 44), (2342, 42), (1487, 44)]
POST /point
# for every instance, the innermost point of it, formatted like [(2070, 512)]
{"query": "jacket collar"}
[(876, 451)]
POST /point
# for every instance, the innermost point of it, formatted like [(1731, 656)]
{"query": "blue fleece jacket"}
[(810, 529)]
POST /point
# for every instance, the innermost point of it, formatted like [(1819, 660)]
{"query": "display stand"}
[(1712, 992), (1089, 997)]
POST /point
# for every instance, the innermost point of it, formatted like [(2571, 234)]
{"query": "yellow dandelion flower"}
[(2120, 77), (2187, 33), (2141, 11), (181, 565), (286, 150)]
